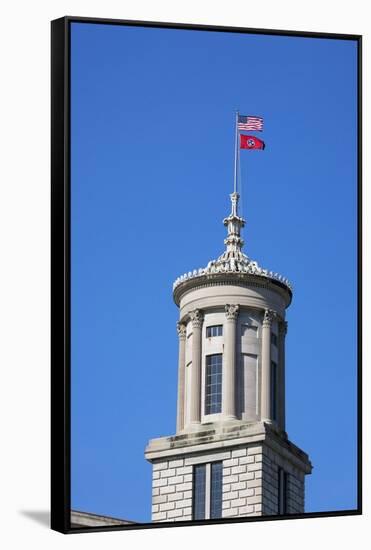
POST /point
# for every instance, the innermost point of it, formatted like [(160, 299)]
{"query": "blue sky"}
[(152, 167)]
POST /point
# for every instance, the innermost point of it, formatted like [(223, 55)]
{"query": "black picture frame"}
[(60, 270)]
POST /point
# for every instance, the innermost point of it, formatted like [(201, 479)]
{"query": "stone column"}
[(182, 333), (196, 319), (229, 363), (266, 365), (282, 331)]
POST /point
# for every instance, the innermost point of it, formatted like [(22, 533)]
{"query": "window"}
[(199, 490), (274, 339), (216, 490), (216, 330), (249, 330), (213, 384), (282, 491), (207, 490), (273, 390)]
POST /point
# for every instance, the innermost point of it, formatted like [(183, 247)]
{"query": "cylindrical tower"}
[(233, 359), (230, 455)]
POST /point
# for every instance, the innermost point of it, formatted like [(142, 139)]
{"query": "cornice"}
[(243, 280)]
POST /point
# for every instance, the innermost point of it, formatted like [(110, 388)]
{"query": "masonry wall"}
[(250, 483), (172, 491), (272, 461), (242, 483)]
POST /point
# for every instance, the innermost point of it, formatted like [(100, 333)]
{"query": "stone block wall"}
[(171, 491), (272, 461), (250, 483), (242, 483)]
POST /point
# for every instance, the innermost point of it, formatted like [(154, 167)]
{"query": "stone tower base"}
[(262, 471)]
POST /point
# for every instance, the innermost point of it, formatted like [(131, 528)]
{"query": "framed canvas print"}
[(206, 203)]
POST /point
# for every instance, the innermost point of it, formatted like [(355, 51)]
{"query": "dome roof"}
[(233, 262)]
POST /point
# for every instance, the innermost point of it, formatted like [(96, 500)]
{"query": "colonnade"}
[(229, 412)]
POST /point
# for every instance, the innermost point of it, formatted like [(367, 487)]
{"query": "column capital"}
[(231, 311), (269, 315), (182, 330), (196, 317)]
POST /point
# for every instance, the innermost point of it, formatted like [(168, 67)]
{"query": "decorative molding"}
[(231, 311), (196, 317), (233, 260), (232, 263), (269, 315), (243, 280), (182, 330)]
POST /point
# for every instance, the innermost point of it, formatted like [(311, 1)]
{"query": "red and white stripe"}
[(252, 123)]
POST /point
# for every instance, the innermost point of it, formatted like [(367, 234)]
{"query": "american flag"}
[(249, 123)]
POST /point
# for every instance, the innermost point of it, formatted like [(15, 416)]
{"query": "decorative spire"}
[(233, 260), (235, 223)]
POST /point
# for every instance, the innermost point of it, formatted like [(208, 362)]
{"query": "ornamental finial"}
[(234, 224), (233, 260), (234, 198)]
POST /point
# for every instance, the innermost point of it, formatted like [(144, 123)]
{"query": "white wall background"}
[(24, 303)]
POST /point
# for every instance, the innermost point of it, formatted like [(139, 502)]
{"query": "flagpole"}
[(235, 154), (240, 181)]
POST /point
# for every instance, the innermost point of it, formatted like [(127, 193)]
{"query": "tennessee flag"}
[(251, 142)]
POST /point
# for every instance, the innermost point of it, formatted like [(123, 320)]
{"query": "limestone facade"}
[(241, 346), (254, 458), (230, 397)]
